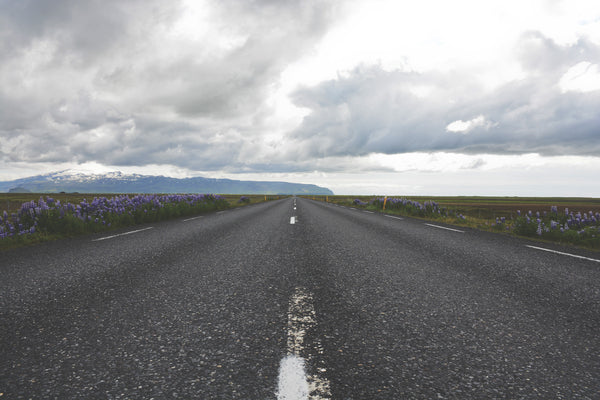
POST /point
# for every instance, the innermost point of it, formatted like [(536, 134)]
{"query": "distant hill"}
[(117, 182), (19, 190)]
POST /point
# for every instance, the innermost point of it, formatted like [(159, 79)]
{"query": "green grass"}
[(51, 226)]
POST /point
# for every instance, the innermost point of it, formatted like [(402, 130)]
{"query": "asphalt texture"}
[(199, 309)]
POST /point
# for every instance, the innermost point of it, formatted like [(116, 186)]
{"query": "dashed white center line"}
[(294, 382), (443, 227), (564, 254), (121, 234), (391, 216), (292, 220)]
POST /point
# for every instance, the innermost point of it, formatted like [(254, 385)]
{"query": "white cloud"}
[(465, 127), (582, 77)]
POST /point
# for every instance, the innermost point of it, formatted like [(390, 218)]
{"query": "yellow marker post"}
[(327, 199), (265, 197), (384, 201)]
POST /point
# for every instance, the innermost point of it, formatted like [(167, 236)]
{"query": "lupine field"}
[(579, 226), (50, 217)]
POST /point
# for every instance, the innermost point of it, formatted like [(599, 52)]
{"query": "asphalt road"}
[(374, 307)]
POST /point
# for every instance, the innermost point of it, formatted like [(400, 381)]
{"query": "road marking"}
[(370, 212), (121, 234), (292, 384), (293, 381), (294, 208), (564, 254), (391, 216), (443, 227), (191, 219), (292, 220), (220, 212)]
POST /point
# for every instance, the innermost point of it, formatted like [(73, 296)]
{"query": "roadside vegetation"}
[(573, 221), (31, 218)]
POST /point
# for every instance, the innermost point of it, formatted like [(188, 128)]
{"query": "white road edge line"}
[(191, 219), (391, 216), (443, 227), (564, 254), (370, 212), (121, 234)]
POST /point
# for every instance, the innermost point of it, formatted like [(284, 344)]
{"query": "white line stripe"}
[(293, 381), (121, 234), (443, 227), (391, 216), (220, 212), (191, 219), (292, 220), (564, 254), (370, 212)]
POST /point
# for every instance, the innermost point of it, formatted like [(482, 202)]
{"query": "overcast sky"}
[(364, 97)]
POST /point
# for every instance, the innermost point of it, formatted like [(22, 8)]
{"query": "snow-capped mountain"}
[(118, 182)]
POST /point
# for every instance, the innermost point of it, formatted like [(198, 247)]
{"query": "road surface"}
[(296, 297)]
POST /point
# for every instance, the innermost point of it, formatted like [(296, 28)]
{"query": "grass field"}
[(488, 208), (542, 218), (34, 217), (539, 217), (11, 202)]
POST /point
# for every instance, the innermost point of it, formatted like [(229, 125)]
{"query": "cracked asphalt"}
[(199, 309)]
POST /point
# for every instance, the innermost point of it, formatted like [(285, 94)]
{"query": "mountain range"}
[(118, 182)]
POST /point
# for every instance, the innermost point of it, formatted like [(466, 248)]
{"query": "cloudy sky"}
[(365, 97)]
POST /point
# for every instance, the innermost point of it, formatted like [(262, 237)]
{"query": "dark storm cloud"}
[(86, 28), (106, 81), (372, 110)]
